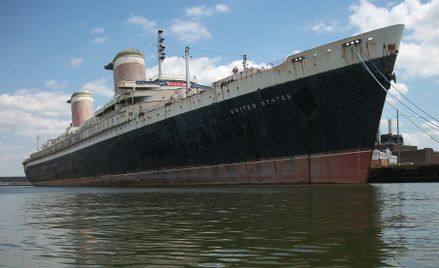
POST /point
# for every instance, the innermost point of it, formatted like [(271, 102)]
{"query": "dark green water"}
[(381, 225)]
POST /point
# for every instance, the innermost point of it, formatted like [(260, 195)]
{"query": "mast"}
[(188, 82), (161, 53)]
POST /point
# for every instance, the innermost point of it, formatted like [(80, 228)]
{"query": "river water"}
[(377, 225)]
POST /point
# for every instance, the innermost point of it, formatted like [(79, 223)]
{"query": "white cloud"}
[(11, 155), (202, 10), (97, 30), (29, 112), (421, 139), (411, 134), (34, 100), (190, 31), (416, 52), (413, 138), (32, 124), (99, 87), (55, 84), (221, 8), (99, 40), (146, 24), (396, 90), (76, 62), (375, 17), (199, 11), (194, 30), (323, 27), (421, 35), (432, 127), (26, 91), (205, 69)]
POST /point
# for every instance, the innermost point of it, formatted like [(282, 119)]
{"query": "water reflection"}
[(280, 226), (409, 223)]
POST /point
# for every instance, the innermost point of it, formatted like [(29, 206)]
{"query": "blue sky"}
[(50, 49)]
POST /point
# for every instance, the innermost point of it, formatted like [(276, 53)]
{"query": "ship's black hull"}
[(332, 113)]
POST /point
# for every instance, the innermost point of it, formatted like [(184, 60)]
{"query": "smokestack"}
[(127, 65), (82, 106), (390, 126)]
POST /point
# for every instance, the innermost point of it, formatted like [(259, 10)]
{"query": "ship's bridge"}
[(166, 89)]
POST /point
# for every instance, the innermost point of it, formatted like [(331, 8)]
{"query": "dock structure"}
[(404, 173), (14, 181)]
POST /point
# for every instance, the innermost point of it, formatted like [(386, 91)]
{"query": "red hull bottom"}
[(349, 166)]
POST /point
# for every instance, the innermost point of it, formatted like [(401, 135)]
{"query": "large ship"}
[(311, 119)]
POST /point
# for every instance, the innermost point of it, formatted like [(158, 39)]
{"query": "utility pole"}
[(397, 130)]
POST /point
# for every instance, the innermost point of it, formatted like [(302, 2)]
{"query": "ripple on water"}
[(288, 226)]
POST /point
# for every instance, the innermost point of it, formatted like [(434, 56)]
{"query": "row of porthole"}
[(89, 141), (329, 50), (157, 115), (94, 138), (73, 147), (199, 100)]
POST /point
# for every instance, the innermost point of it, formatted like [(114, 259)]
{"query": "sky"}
[(50, 49)]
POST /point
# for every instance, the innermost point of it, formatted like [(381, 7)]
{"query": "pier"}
[(14, 181), (404, 173)]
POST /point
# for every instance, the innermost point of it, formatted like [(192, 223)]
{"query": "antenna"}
[(244, 61)]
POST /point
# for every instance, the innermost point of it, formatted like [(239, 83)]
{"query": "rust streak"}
[(391, 48)]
